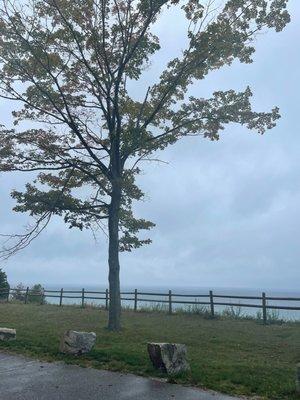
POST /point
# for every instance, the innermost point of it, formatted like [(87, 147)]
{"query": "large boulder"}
[(7, 334), (77, 343), (169, 357)]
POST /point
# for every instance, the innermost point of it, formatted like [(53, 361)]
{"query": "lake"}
[(187, 294)]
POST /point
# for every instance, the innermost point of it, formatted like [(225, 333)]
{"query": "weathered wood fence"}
[(210, 300)]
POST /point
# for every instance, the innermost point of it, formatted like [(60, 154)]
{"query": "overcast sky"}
[(227, 212)]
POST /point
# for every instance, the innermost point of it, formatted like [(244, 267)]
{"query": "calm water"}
[(162, 291)]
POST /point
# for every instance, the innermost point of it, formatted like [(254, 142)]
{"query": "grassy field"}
[(230, 356)]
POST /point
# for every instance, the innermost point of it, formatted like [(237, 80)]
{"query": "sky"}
[(227, 213)]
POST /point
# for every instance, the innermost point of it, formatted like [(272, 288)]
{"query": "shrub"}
[(4, 285), (35, 294), (234, 312), (19, 292)]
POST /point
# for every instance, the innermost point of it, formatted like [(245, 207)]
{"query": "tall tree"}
[(67, 64)]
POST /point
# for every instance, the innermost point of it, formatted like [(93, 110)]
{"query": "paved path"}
[(26, 379)]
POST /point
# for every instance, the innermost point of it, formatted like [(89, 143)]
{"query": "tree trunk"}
[(114, 320)]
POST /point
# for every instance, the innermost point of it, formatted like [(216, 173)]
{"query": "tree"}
[(67, 64), (35, 294), (4, 285)]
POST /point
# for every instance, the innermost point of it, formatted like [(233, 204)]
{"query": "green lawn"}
[(231, 356)]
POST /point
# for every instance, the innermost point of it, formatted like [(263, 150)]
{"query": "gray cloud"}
[(227, 212)]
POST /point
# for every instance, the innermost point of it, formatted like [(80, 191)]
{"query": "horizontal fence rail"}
[(210, 299)]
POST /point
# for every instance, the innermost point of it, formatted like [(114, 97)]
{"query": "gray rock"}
[(7, 334), (169, 357), (77, 343)]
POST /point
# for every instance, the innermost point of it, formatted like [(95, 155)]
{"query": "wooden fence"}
[(210, 300)]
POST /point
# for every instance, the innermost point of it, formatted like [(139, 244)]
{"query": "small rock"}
[(169, 357), (77, 343), (7, 334)]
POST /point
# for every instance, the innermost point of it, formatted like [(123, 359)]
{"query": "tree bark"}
[(114, 320)]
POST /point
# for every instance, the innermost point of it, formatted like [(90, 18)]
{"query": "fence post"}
[(212, 307), (26, 295), (106, 299), (42, 297), (170, 301), (61, 297), (264, 308), (7, 299), (82, 298), (135, 299)]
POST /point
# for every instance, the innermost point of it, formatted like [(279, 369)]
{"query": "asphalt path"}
[(22, 378)]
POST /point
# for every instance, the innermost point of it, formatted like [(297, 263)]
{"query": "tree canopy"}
[(4, 285), (67, 63)]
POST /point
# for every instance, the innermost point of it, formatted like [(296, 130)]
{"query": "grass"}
[(239, 356)]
